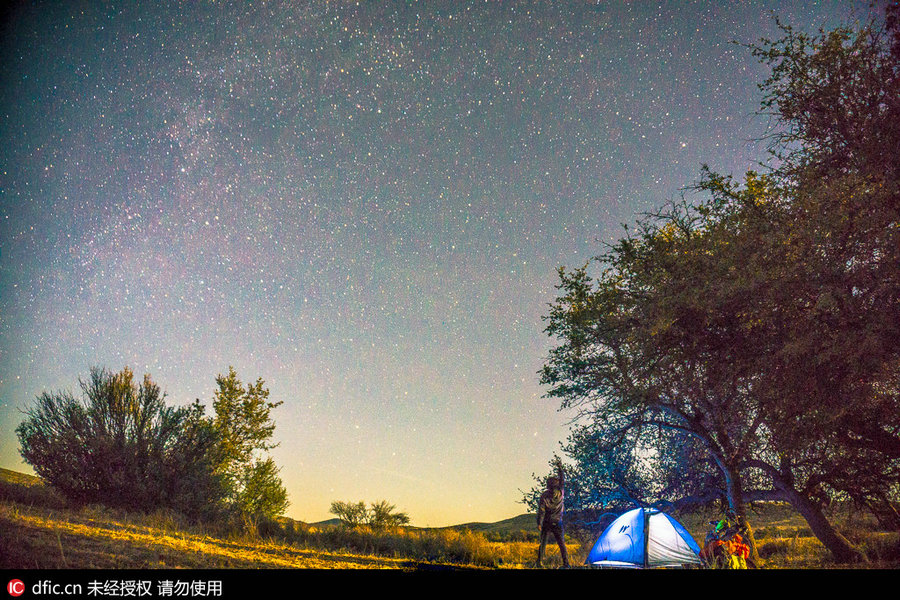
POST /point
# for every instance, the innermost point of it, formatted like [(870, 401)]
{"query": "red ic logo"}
[(15, 587)]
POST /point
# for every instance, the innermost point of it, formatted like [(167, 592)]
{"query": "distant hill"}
[(28, 489), (19, 478), (334, 521), (22, 487), (525, 522)]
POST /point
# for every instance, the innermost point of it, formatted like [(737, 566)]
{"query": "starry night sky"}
[(362, 203)]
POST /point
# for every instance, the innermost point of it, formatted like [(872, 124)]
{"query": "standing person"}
[(550, 514)]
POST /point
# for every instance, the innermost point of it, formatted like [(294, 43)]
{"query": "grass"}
[(90, 539), (38, 530)]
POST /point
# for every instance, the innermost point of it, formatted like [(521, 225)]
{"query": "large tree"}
[(764, 320), (640, 353), (835, 99)]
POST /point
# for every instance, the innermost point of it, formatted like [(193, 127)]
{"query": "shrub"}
[(774, 548), (120, 445), (883, 547)]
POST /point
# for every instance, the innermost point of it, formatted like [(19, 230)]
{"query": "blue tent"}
[(642, 538)]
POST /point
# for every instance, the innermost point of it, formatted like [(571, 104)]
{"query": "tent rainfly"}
[(644, 538)]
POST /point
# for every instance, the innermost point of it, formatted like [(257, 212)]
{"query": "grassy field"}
[(39, 531)]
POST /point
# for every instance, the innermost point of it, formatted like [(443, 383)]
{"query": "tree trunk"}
[(734, 490), (837, 544)]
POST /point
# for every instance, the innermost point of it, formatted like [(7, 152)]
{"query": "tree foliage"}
[(836, 101), (761, 322), (378, 515), (351, 514), (384, 515), (242, 420), (120, 445)]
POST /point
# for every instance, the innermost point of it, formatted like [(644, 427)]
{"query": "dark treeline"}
[(120, 445), (744, 346)]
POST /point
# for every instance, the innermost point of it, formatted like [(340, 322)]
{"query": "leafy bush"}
[(120, 445)]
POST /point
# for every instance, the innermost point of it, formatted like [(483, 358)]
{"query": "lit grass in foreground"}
[(39, 530), (34, 538)]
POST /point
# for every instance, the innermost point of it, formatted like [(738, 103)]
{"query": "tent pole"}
[(646, 537)]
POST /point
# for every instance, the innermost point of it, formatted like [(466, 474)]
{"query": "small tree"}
[(351, 514), (380, 515), (244, 427), (262, 493)]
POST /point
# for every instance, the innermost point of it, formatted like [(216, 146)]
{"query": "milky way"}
[(362, 203)]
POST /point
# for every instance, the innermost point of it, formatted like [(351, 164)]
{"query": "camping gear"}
[(645, 538), (724, 548)]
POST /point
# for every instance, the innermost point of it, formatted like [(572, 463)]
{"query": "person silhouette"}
[(550, 515)]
